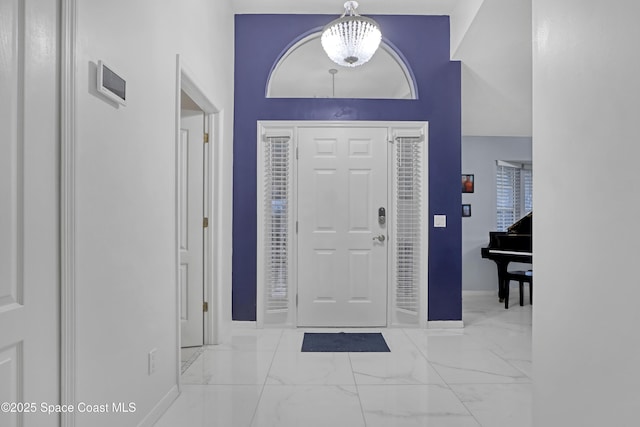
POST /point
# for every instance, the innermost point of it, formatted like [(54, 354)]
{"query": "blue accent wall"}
[(424, 43)]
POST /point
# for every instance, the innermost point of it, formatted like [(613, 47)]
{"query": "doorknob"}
[(380, 238)]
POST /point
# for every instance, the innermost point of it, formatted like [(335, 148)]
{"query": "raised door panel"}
[(11, 155), (325, 210), (10, 383), (359, 276), (359, 201), (326, 264), (12, 312), (184, 190), (184, 292)]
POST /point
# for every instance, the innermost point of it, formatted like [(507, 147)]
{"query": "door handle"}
[(381, 238)]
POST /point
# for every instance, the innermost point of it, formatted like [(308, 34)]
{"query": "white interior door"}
[(191, 187), (29, 212), (342, 247)]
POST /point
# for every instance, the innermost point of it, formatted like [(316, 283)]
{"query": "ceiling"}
[(188, 104), (333, 7), (492, 39)]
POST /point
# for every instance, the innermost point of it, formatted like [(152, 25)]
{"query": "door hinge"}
[(206, 137), (296, 300), (297, 154), (205, 306), (296, 227), (205, 222)]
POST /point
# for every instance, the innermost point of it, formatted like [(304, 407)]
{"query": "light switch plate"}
[(152, 361), (440, 221)]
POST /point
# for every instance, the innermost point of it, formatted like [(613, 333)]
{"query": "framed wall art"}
[(467, 183)]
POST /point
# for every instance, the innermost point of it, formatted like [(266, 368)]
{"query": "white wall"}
[(496, 70), (461, 18), (479, 155), (586, 231), (126, 290)]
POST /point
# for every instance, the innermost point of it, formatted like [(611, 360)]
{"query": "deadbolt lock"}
[(382, 216)]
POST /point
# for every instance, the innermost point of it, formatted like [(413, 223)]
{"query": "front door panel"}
[(342, 246)]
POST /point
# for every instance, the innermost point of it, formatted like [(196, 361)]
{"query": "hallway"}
[(479, 376)]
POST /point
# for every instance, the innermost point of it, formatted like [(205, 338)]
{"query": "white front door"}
[(191, 183), (29, 213), (342, 245)]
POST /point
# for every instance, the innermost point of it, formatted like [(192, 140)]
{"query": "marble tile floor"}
[(476, 376), (188, 355)]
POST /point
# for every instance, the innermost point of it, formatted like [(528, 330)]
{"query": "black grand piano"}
[(512, 245)]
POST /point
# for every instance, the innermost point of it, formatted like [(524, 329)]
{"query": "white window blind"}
[(277, 218), (514, 194), (408, 211), (527, 182)]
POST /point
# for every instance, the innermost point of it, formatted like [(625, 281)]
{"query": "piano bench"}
[(521, 277)]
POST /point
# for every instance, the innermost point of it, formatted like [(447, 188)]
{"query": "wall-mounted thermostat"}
[(111, 85)]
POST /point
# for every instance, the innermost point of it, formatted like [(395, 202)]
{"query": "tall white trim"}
[(176, 231), (68, 352), (217, 304)]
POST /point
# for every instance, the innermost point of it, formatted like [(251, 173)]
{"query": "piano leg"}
[(502, 280)]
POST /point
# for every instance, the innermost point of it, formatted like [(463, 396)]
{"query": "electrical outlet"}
[(152, 361)]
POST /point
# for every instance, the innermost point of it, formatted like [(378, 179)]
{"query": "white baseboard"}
[(480, 293), (432, 324), (244, 324), (445, 324), (162, 406)]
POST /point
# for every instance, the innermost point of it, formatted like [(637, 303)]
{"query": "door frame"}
[(185, 81), (395, 129), (68, 78)]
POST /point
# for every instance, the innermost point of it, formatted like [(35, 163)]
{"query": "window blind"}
[(514, 194), (277, 217), (408, 211), (527, 179)]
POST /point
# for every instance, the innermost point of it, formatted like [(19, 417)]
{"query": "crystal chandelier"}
[(351, 40)]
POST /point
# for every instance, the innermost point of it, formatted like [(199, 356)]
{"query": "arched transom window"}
[(305, 71)]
